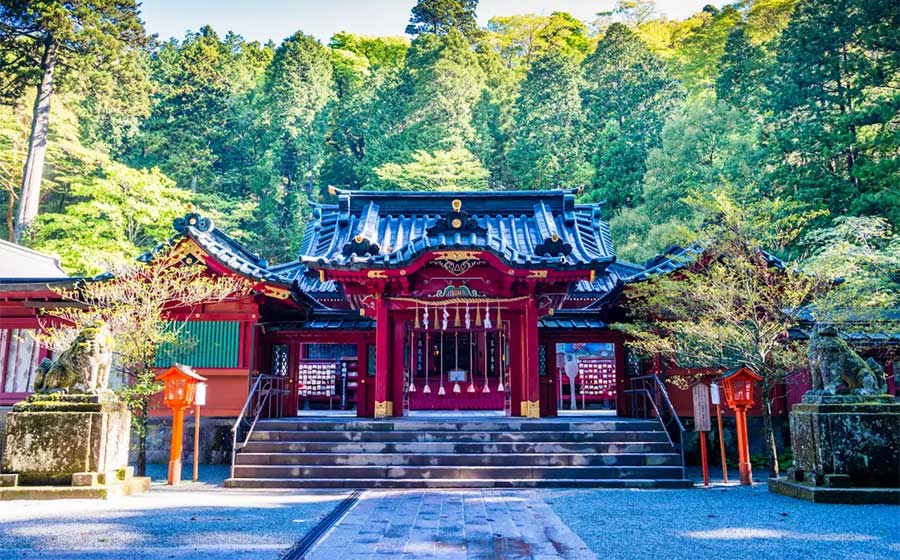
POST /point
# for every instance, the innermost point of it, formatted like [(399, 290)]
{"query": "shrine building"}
[(399, 302)]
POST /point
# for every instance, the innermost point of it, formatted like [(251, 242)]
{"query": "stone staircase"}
[(458, 453)]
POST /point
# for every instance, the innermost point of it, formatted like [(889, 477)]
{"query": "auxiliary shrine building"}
[(400, 302)]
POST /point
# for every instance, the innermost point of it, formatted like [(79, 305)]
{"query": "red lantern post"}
[(180, 389), (737, 384)]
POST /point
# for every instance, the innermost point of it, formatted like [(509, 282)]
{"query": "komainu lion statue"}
[(832, 363), (81, 368)]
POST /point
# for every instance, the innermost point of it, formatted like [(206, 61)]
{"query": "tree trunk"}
[(771, 450), (143, 420), (33, 172)]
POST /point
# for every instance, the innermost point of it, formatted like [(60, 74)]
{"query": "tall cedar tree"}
[(836, 102), (299, 90), (440, 16), (432, 106), (628, 93), (45, 42), (549, 143)]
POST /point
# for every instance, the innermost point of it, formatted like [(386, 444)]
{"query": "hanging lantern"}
[(456, 388), (426, 389), (500, 387), (471, 387), (486, 389), (441, 391), (412, 387)]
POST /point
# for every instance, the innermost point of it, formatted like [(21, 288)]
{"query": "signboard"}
[(714, 393), (700, 392), (200, 394)]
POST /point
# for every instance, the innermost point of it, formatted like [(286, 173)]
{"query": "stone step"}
[(480, 425), (670, 483), (453, 447), (459, 437), (465, 460), (462, 473)]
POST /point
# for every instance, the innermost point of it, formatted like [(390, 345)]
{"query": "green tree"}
[(431, 108), (548, 146), (706, 146), (299, 90), (441, 16), (520, 39), (730, 308), (442, 170), (741, 79), (628, 94), (364, 68), (51, 43), (836, 107)]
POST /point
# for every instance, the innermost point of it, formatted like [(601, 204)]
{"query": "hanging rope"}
[(454, 301)]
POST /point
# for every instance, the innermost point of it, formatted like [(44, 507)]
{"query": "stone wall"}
[(215, 441)]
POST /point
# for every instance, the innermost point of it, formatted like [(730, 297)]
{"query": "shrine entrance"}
[(456, 358)]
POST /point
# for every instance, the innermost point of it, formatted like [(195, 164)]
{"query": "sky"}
[(262, 20)]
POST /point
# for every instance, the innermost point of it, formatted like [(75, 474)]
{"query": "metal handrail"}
[(265, 386), (657, 395)]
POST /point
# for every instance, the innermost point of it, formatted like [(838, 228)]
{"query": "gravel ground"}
[(189, 522), (724, 522)]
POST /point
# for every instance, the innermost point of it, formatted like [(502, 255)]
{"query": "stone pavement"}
[(451, 525)]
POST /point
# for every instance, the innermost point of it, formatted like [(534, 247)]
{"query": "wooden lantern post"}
[(717, 400), (180, 388), (737, 384)]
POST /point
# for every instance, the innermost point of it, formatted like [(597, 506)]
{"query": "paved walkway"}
[(451, 525)]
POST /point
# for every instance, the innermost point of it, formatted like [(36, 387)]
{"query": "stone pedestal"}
[(56, 439), (843, 441)]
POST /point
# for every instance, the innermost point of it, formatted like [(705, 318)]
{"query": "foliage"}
[(521, 39), (731, 307), (432, 104), (548, 149), (441, 16), (835, 103), (628, 93), (135, 300), (444, 170), (862, 254)]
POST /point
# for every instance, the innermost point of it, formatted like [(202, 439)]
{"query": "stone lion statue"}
[(832, 363), (81, 368)]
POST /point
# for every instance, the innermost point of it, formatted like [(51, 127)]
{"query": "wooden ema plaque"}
[(700, 392)]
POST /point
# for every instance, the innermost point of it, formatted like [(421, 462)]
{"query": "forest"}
[(107, 133)]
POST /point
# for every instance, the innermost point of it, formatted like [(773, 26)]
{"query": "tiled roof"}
[(571, 322), (677, 257), (524, 228), (226, 250)]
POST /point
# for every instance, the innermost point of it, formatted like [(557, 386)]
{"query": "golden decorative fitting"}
[(593, 275), (322, 276), (376, 274), (510, 272), (537, 274), (456, 223), (358, 239), (456, 255), (531, 409), (554, 238), (402, 272), (277, 293), (456, 204), (384, 409)]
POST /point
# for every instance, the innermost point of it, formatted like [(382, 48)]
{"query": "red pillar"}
[(531, 384), (383, 404)]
